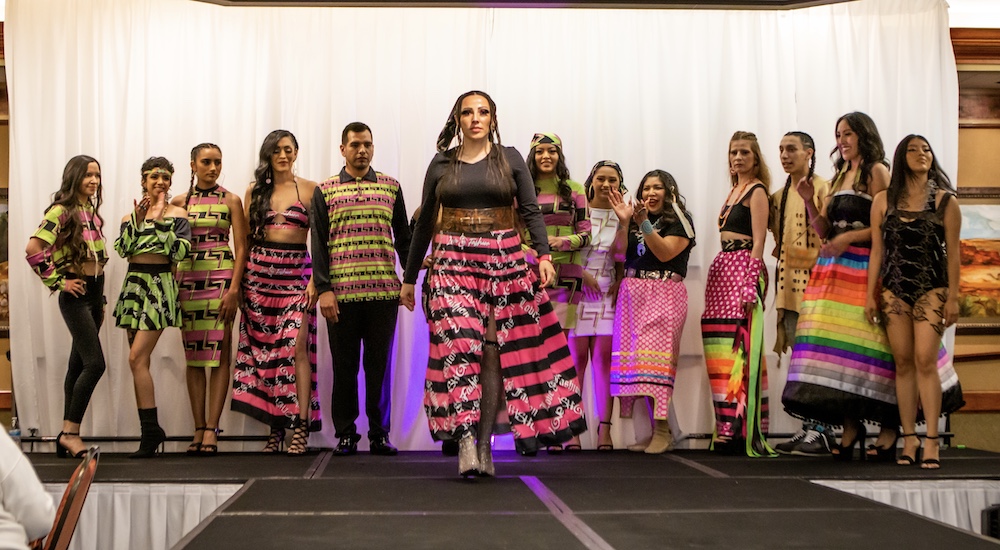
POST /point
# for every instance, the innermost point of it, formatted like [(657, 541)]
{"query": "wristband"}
[(545, 258), (646, 227)]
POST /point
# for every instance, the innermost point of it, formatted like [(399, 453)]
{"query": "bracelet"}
[(646, 227), (545, 258)]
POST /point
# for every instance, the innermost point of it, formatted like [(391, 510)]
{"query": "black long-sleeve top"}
[(475, 188)]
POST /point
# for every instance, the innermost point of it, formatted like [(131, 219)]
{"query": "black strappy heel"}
[(905, 459)]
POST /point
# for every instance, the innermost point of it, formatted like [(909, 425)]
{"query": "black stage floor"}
[(619, 500)]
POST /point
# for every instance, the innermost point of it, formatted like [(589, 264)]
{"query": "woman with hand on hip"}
[(67, 252)]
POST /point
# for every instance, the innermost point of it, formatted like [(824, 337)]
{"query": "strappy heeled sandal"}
[(194, 448), (211, 449), (905, 459), (274, 441), (932, 463), (604, 447), (300, 437), (63, 451)]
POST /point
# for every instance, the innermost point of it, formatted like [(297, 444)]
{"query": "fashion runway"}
[(590, 500)]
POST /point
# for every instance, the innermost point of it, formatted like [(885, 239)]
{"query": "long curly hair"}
[(902, 173), (260, 196), (869, 147), (497, 165), (68, 197), (562, 176)]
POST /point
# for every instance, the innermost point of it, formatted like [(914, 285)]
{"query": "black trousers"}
[(83, 316), (373, 323)]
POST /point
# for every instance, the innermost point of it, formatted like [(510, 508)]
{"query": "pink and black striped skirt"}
[(473, 276), (274, 313)]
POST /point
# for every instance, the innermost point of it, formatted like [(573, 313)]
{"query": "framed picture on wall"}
[(979, 283)]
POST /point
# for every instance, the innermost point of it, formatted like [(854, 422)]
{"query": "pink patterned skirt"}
[(649, 320), (472, 276)]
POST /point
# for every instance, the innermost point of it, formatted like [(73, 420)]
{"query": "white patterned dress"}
[(596, 318)]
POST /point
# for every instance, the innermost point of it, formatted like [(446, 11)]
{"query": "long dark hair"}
[(869, 147), (194, 156), (497, 164), (260, 196), (562, 175), (901, 172), (67, 197), (673, 195)]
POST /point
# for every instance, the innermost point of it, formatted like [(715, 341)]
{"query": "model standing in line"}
[(67, 252), (359, 226), (796, 249), (652, 301), (493, 332), (590, 340), (915, 262), (563, 204), (275, 380), (154, 237), (732, 324), (210, 281)]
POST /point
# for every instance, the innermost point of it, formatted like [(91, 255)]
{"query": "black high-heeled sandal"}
[(210, 449), (63, 451), (603, 448), (874, 453), (274, 441), (300, 437), (905, 459), (932, 463), (194, 448), (845, 453)]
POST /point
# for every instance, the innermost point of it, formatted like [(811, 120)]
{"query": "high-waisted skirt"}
[(204, 277), (274, 316), (842, 365), (474, 275), (649, 320), (734, 352), (148, 300)]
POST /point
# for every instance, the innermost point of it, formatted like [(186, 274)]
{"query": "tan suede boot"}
[(662, 440)]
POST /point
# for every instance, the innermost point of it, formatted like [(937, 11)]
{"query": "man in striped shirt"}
[(358, 219)]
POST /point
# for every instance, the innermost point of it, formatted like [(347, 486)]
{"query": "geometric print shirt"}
[(53, 262), (359, 226)]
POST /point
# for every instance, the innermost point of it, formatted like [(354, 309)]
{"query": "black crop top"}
[(736, 218), (475, 188)]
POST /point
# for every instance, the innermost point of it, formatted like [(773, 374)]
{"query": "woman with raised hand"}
[(154, 237), (732, 324), (67, 252), (564, 210), (494, 335), (841, 372), (275, 380), (652, 300), (915, 262), (210, 281)]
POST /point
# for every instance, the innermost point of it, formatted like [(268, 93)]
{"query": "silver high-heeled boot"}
[(468, 458), (485, 448)]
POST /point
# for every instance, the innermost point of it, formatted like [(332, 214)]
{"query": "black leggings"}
[(84, 316)]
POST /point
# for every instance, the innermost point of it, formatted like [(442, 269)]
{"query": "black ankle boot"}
[(152, 434)]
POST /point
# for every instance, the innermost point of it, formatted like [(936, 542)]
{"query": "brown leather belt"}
[(476, 220)]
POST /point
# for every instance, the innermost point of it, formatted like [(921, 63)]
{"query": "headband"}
[(157, 171), (602, 163), (541, 138)]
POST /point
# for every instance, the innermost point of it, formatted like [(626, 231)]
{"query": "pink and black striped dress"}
[(473, 276), (273, 316)]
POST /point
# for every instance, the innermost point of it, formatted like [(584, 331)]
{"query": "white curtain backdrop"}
[(126, 79)]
